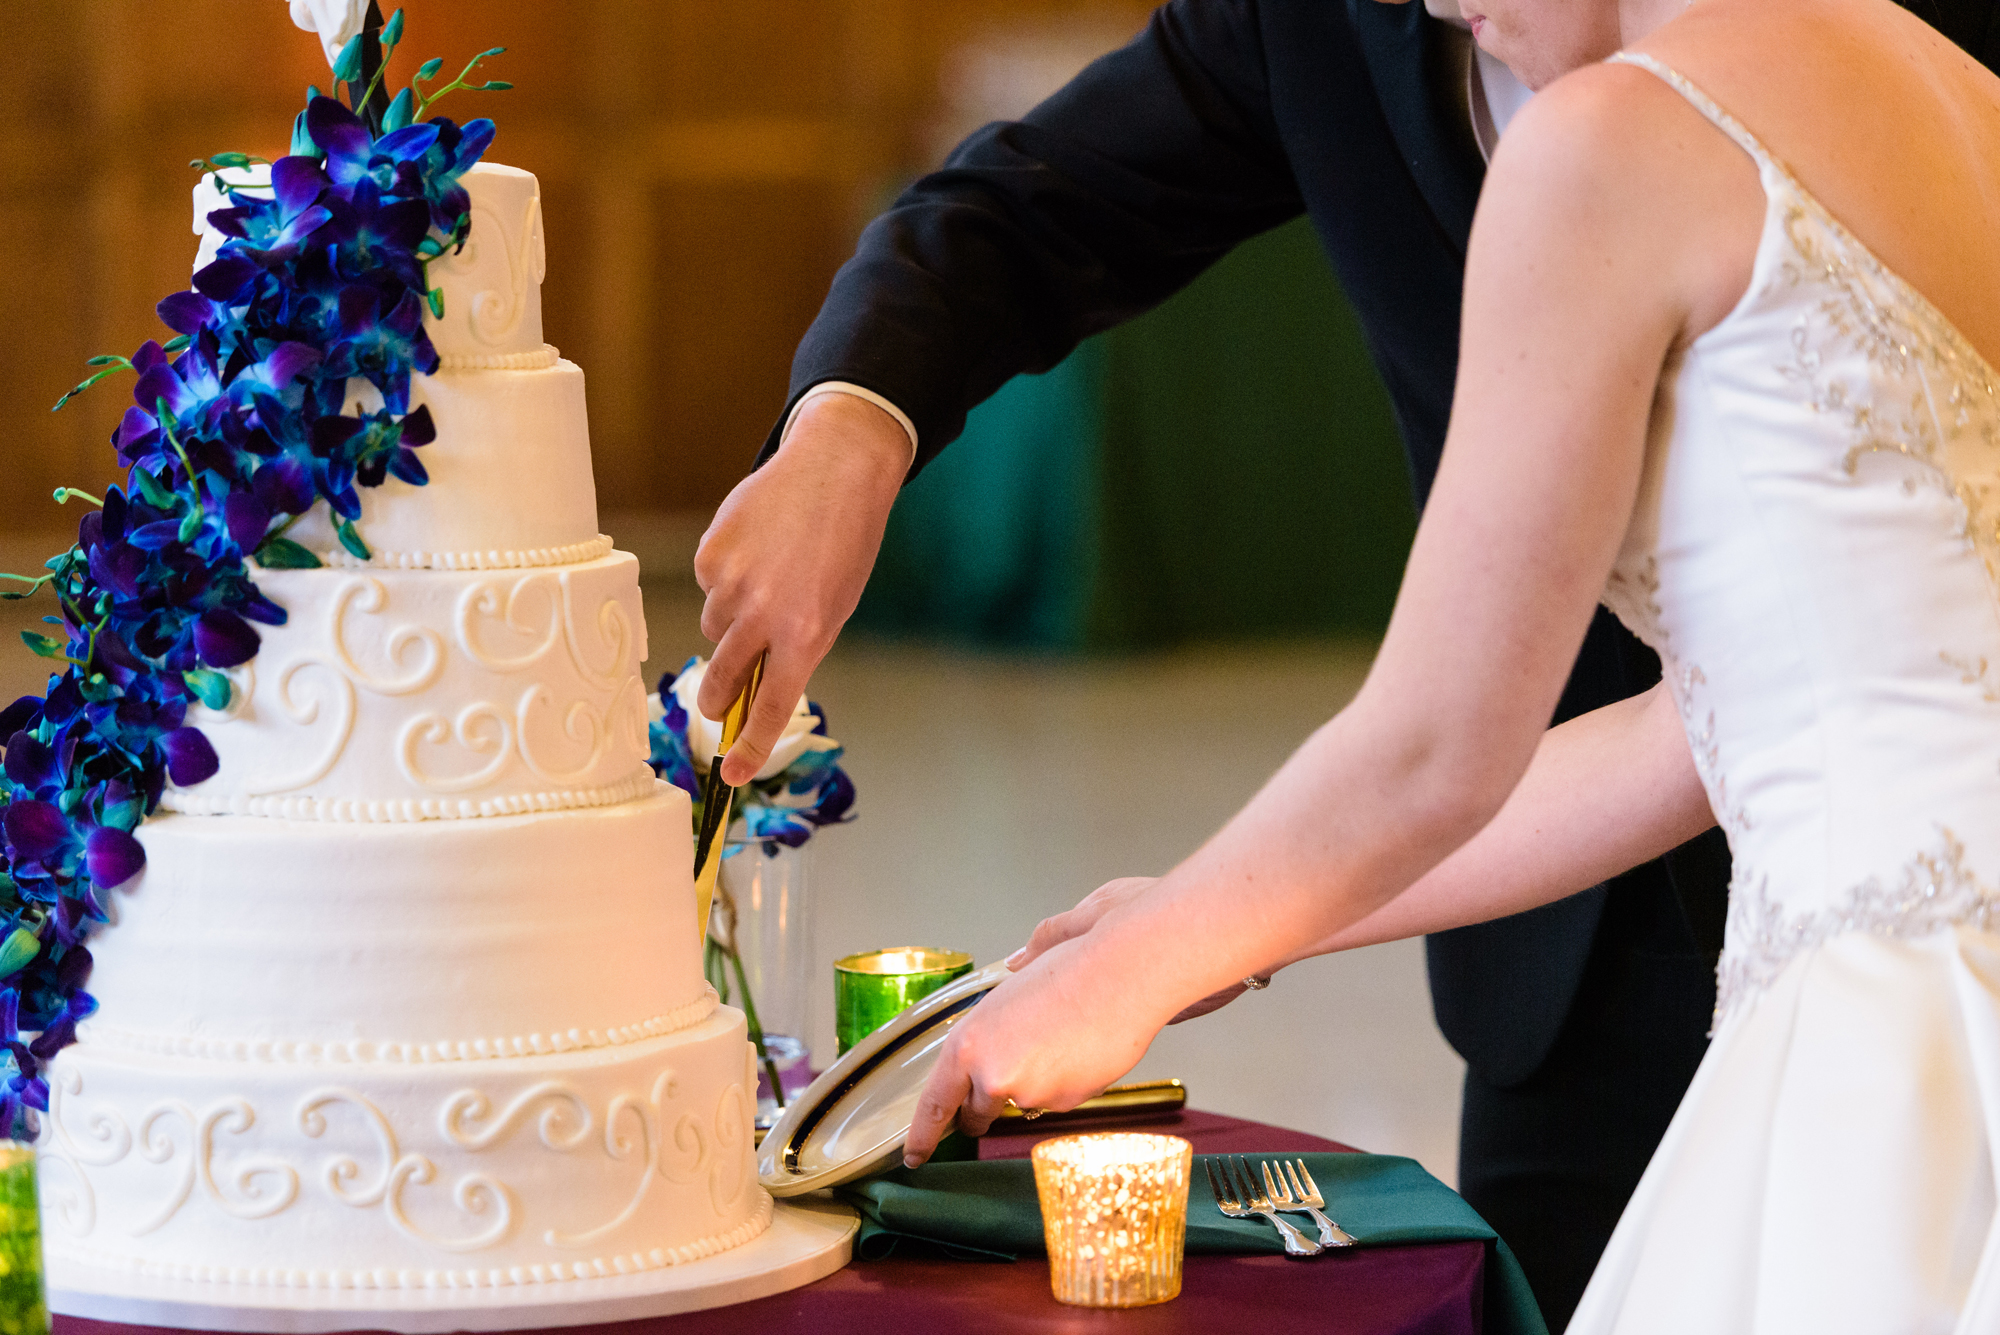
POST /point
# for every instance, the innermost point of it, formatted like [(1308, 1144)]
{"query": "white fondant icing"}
[(492, 287), (493, 284), (368, 939), (225, 1048), (546, 355), (393, 694), (523, 1170), (575, 554), (509, 474)]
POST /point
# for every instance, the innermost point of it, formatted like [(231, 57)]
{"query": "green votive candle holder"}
[(874, 987), (23, 1304)]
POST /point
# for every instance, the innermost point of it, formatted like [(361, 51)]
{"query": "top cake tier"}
[(492, 286), (511, 483)]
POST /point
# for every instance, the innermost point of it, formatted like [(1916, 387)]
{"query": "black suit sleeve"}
[(1099, 204)]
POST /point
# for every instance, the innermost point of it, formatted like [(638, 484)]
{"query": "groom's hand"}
[(784, 561)]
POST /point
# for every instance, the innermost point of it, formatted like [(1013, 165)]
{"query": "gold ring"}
[(1027, 1114)]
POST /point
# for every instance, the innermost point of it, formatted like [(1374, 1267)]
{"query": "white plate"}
[(852, 1121)]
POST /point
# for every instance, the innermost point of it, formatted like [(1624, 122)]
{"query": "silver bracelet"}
[(1256, 984)]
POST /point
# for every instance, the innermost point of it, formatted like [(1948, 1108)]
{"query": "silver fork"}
[(1242, 1200), (1302, 1197)]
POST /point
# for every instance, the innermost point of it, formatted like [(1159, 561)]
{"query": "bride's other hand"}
[(1051, 1035), (1072, 923)]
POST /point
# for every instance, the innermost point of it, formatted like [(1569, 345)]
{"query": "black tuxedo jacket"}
[(1222, 120)]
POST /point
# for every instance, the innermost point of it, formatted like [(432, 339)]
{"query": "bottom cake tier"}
[(506, 1171)]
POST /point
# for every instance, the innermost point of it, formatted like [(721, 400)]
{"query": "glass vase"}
[(760, 960), (23, 1298)]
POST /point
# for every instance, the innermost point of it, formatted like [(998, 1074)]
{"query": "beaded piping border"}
[(536, 360), (570, 554), (492, 1277), (386, 811), (361, 1051)]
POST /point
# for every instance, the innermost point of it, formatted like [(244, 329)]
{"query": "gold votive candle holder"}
[(874, 987), (1114, 1214)]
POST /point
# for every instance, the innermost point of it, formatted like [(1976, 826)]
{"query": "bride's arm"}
[(1575, 295), (1604, 793)]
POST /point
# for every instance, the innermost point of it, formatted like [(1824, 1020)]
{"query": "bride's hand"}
[(1051, 1035), (1072, 923)]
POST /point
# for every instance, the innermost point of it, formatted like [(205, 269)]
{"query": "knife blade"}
[(716, 799)]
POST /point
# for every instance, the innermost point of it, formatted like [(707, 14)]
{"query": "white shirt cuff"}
[(856, 392)]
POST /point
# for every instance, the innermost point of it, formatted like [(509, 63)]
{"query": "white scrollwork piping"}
[(254, 1197), (110, 1140), (338, 734), (474, 1194), (564, 1124), (368, 595), (489, 601), (581, 724), (614, 629), (496, 314), (479, 728)]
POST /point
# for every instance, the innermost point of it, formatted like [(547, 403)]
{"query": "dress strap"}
[(1701, 101)]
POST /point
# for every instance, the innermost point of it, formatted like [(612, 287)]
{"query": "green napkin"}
[(988, 1210)]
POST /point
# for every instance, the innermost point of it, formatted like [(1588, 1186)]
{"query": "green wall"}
[(1226, 466)]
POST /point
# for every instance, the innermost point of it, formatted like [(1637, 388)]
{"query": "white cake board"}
[(808, 1239)]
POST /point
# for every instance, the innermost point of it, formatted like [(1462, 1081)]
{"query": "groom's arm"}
[(1097, 205)]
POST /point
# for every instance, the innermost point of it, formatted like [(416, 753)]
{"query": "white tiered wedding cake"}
[(410, 993)]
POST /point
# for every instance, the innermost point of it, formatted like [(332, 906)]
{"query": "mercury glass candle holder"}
[(1114, 1214), (874, 987), (23, 1304)]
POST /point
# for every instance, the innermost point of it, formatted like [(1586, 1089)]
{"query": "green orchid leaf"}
[(43, 646), (20, 947), (284, 554), (436, 298), (149, 486), (176, 343), (209, 686), (351, 540), (190, 525)]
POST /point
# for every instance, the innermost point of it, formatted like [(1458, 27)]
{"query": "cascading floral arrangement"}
[(806, 791), (240, 424)]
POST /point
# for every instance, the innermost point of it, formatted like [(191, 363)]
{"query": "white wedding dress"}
[(1815, 557)]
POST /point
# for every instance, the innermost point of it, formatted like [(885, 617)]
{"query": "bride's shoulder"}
[(1605, 134)]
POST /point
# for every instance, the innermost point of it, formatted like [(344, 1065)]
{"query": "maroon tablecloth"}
[(1429, 1290)]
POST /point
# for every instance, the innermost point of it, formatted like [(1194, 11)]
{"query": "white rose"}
[(705, 734), (336, 21)]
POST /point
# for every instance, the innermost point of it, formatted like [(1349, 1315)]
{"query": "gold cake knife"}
[(716, 799)]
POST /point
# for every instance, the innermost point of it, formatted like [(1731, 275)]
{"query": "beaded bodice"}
[(1815, 555)]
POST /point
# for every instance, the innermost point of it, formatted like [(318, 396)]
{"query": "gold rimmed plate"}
[(853, 1120)]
